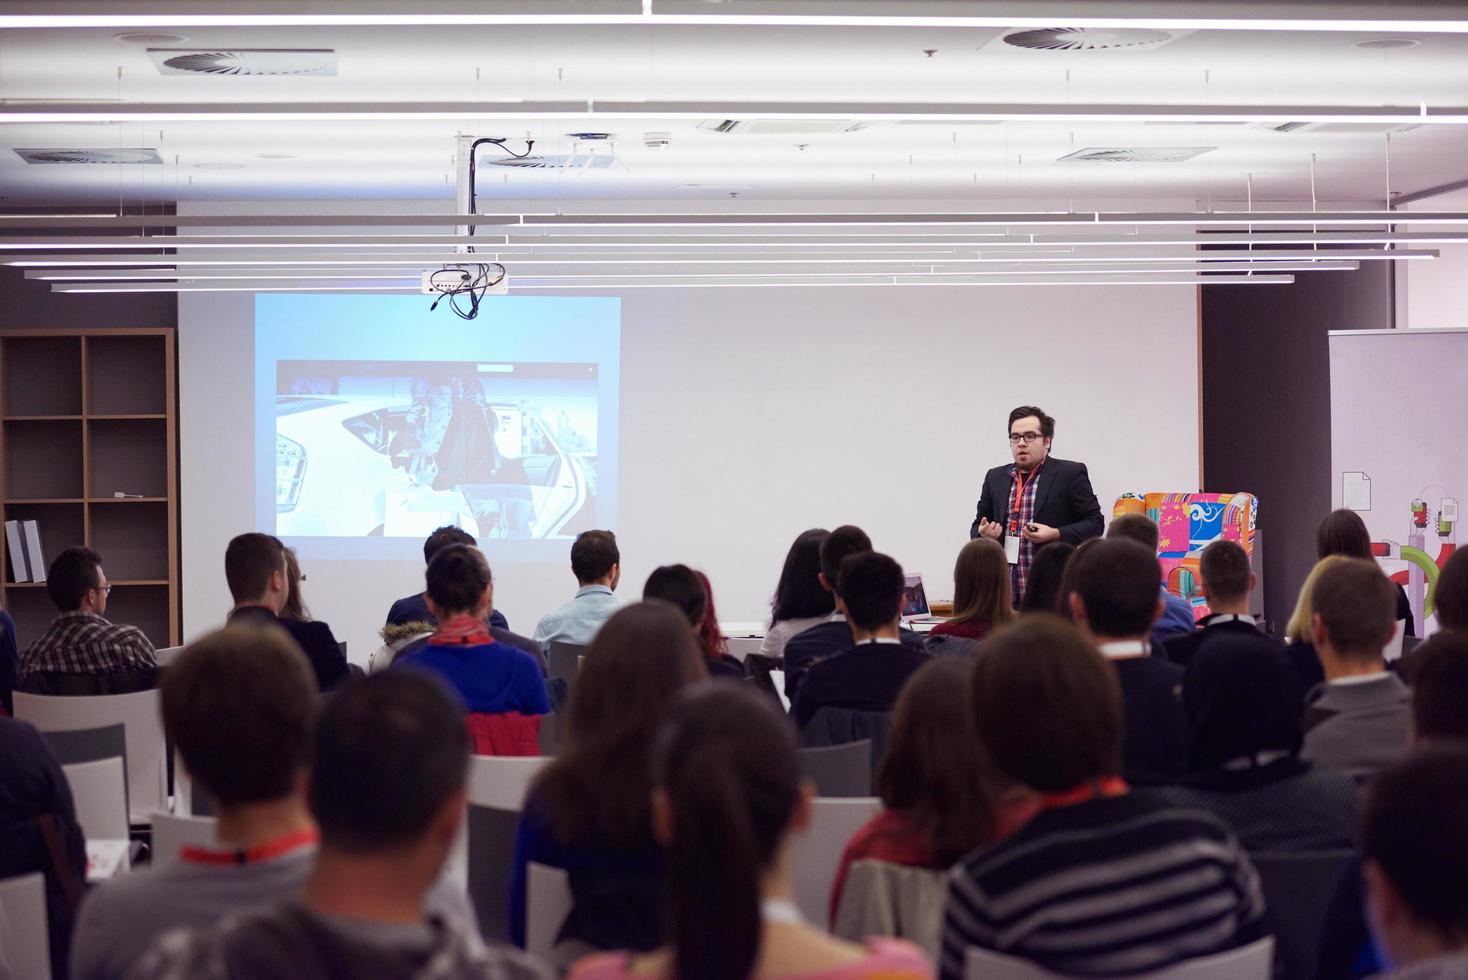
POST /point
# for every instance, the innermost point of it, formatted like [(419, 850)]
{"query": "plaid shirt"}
[(1026, 511), (85, 643)]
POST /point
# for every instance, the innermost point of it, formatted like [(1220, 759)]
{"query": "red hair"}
[(710, 637)]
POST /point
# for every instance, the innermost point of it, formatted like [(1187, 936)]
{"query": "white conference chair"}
[(501, 780), (173, 833), (547, 903), (99, 793), (147, 772), (1252, 962), (817, 852), (484, 850), (23, 928), (742, 646), (167, 655)]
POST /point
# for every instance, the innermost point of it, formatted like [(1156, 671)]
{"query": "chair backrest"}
[(89, 745), (98, 790), (885, 899), (547, 903), (172, 833), (777, 678), (501, 780), (1297, 890), (839, 770), (817, 853), (146, 754), (550, 733), (489, 859), (833, 725), (1251, 962), (742, 646), (166, 656), (23, 929), (564, 659)]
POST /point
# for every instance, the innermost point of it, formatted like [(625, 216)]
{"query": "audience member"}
[(1042, 589), (1299, 648), (800, 601), (1114, 600), (254, 567), (387, 788), (1173, 883), (80, 652), (597, 565), (1360, 720), (870, 673), (1343, 532), (1245, 765), (414, 608), (1452, 593), (684, 588), (825, 640), (295, 606), (1415, 843), (1226, 580), (1439, 679), (587, 811), (1177, 614), (489, 677), (9, 661), (935, 803), (1067, 579), (39, 832), (981, 598), (727, 803)]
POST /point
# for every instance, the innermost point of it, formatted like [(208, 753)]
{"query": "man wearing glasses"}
[(1036, 499)]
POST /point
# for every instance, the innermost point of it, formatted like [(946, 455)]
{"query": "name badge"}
[(1011, 549)]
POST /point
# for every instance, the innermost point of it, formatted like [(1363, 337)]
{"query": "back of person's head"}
[(1438, 671), (870, 586), (390, 751), (237, 705), (249, 562), (593, 554), (295, 605), (1135, 527), (1042, 586), (1118, 583), (728, 789), (799, 595), (981, 584), (1414, 834), (71, 576), (456, 578), (846, 540), (444, 536), (1297, 630), (1356, 607), (1046, 706), (933, 769), (679, 585), (1342, 532), (1452, 592), (710, 634), (1067, 579), (1224, 568), (1242, 703), (597, 788)]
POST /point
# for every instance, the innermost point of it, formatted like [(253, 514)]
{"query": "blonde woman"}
[(1300, 650)]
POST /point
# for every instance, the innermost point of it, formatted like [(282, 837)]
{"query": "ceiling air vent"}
[(1358, 128), (557, 161), (780, 127), (245, 61), (119, 155), (1136, 154), (1089, 39)]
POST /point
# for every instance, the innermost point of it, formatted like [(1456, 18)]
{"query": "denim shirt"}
[(578, 620)]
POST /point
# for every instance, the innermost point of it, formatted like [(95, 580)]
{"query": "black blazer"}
[(1063, 500), (313, 637)]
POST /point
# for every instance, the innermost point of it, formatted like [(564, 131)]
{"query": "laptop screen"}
[(914, 599)]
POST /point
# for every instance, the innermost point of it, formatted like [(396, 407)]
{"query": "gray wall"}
[(1266, 404)]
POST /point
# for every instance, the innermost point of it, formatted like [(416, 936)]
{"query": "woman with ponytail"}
[(727, 800)]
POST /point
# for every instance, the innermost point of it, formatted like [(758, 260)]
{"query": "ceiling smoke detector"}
[(245, 61), (1136, 154), (1089, 39), (119, 155), (1386, 43)]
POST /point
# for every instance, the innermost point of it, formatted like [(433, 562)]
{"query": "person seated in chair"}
[(116, 658), (414, 608), (1226, 580)]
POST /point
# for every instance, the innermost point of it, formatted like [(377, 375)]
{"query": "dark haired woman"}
[(690, 591), (981, 598), (1042, 588), (587, 811), (728, 800), (800, 600), (1343, 532)]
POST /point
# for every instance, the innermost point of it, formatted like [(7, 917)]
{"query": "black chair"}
[(565, 660), (839, 770), (1297, 890), (491, 861)]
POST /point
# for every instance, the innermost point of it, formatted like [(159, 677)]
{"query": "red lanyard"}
[(1110, 786), (249, 855), (1017, 495)]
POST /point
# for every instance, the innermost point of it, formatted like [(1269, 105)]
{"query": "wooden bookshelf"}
[(85, 414)]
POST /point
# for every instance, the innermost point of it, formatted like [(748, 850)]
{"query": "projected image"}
[(398, 448)]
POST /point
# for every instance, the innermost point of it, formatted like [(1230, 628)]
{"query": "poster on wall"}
[(1399, 450)]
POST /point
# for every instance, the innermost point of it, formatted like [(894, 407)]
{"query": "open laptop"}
[(915, 611)]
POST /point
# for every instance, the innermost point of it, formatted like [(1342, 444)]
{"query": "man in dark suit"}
[(1037, 498), (414, 608), (254, 567), (1226, 580)]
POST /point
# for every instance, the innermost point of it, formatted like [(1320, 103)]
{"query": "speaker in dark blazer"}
[(1064, 500)]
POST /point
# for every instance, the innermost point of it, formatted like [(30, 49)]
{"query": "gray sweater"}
[(1358, 727)]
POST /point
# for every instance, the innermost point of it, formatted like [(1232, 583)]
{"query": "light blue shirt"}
[(1176, 618), (578, 620)]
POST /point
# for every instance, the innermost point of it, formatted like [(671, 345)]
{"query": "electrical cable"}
[(476, 286)]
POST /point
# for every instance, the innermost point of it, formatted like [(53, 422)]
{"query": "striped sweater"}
[(1107, 887)]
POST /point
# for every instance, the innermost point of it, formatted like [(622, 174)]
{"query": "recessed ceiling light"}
[(144, 37), (275, 156), (1386, 43), (220, 166)]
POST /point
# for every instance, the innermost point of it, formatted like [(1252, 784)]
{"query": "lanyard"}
[(250, 855), (1109, 786), (1017, 495)]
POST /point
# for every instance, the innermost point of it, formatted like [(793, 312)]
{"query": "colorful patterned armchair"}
[(1187, 523)]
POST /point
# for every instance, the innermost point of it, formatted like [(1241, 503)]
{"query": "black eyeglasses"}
[(1015, 438)]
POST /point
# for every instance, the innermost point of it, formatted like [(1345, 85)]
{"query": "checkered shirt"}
[(1026, 516), (85, 643)]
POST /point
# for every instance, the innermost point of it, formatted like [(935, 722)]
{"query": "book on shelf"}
[(19, 567), (33, 556)]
